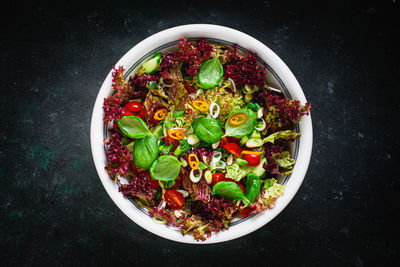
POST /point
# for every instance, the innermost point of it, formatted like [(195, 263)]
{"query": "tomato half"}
[(252, 160), (246, 211), (174, 199), (234, 149), (127, 113), (133, 106), (217, 177)]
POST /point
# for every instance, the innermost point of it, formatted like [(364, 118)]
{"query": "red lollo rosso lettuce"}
[(118, 157), (193, 56), (139, 186), (244, 70), (281, 113)]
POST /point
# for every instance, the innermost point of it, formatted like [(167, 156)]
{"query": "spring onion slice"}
[(212, 108)]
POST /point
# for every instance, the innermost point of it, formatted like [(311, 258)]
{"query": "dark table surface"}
[(54, 210)]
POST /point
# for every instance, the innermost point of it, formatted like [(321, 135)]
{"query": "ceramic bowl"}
[(278, 76)]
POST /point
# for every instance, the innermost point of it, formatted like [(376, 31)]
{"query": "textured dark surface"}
[(54, 209)]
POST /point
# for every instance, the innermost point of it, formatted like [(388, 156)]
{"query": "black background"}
[(54, 59)]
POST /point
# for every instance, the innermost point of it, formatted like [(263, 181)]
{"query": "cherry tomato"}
[(168, 141), (133, 106), (127, 113), (234, 149), (252, 160), (142, 113), (178, 182), (174, 199), (246, 211), (217, 177), (188, 88)]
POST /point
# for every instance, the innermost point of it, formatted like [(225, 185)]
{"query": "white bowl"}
[(278, 76)]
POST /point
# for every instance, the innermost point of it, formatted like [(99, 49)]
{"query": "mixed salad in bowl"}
[(198, 137)]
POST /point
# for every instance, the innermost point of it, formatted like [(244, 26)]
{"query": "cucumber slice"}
[(152, 64), (254, 142)]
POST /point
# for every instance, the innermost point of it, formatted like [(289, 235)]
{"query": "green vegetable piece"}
[(167, 149), (168, 124), (152, 64), (151, 85), (241, 162), (207, 130), (133, 127), (157, 131), (253, 185), (243, 140), (269, 182), (166, 168), (145, 151), (229, 190), (182, 148), (241, 130), (168, 184), (287, 135), (178, 114), (210, 73), (202, 166)]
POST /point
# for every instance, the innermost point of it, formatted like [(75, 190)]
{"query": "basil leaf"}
[(253, 185), (243, 129), (133, 127), (166, 168), (228, 190), (145, 151), (210, 73), (207, 130)]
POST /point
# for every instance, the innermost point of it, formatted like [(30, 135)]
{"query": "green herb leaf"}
[(228, 190), (210, 73), (166, 168), (145, 151), (133, 127), (178, 113), (243, 129), (207, 130), (253, 185)]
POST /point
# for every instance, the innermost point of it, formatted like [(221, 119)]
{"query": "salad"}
[(197, 136)]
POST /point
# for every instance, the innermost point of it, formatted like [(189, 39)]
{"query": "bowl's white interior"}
[(276, 71)]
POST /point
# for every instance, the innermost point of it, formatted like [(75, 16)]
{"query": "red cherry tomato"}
[(174, 199), (217, 177), (168, 141), (133, 106), (188, 88), (234, 149), (252, 160), (246, 211), (127, 113), (178, 182), (143, 113)]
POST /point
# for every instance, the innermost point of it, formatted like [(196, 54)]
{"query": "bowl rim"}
[(229, 35)]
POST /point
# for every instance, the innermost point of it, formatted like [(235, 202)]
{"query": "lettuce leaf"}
[(227, 101), (287, 135)]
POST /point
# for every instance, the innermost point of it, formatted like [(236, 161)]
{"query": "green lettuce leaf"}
[(287, 135)]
